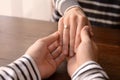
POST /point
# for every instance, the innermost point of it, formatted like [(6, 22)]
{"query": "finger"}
[(96, 50), (65, 41), (51, 38), (73, 27), (91, 30), (85, 34), (81, 23), (53, 46), (56, 52), (60, 59), (60, 29), (66, 36)]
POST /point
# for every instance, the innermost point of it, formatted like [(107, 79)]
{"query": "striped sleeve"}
[(63, 5), (104, 13), (23, 68), (90, 71)]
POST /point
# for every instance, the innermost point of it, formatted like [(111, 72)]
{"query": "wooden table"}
[(17, 34)]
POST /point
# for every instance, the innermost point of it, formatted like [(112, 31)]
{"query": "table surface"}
[(17, 34)]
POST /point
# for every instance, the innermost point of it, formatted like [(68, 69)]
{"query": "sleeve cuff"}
[(23, 68), (63, 5), (26, 65), (34, 64), (89, 65)]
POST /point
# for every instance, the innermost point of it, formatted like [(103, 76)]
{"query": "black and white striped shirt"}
[(25, 68), (90, 71), (104, 13)]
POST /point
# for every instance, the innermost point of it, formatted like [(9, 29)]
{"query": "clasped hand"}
[(49, 52)]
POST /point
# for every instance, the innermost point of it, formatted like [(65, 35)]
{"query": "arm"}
[(83, 66), (23, 68), (39, 62), (90, 70)]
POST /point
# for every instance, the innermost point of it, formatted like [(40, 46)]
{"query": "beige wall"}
[(35, 9)]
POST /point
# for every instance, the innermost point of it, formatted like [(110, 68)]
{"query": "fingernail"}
[(71, 54), (65, 52)]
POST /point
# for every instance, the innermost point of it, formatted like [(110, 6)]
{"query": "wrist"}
[(84, 67), (75, 8)]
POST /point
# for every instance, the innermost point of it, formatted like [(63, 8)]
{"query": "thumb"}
[(51, 38), (85, 34)]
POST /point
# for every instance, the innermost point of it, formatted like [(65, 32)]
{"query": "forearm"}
[(23, 68), (89, 71)]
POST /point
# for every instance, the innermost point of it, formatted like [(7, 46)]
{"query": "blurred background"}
[(33, 9)]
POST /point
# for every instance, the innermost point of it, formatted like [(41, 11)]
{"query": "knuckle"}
[(73, 16), (61, 20), (66, 19), (40, 41), (82, 17), (84, 20)]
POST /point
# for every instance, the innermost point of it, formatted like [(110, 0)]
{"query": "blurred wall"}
[(34, 9)]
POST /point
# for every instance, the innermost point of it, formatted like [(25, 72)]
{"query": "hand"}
[(46, 52), (74, 19), (85, 51)]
